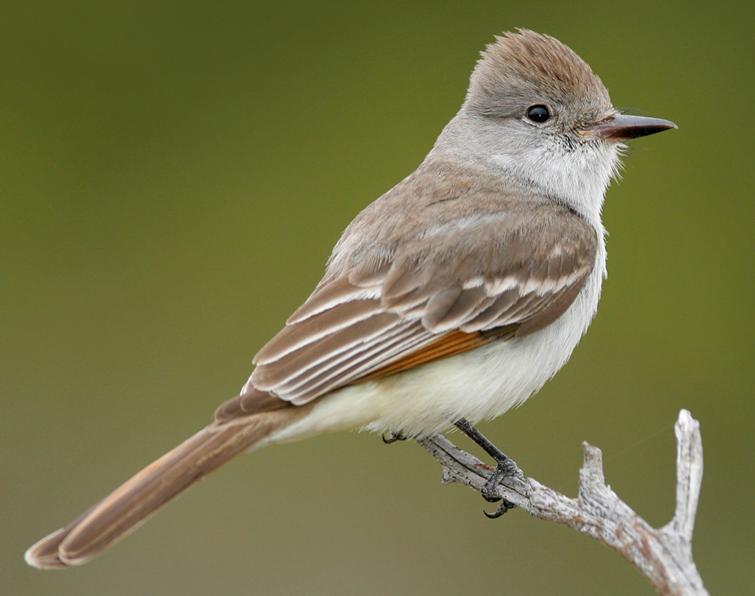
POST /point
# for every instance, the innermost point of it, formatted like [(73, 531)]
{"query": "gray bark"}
[(663, 555)]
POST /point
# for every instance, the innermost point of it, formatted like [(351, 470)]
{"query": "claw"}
[(505, 468), (502, 508), (391, 437)]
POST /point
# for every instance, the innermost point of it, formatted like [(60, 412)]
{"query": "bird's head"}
[(536, 110)]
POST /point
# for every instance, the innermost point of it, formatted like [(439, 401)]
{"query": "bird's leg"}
[(505, 468), (391, 437)]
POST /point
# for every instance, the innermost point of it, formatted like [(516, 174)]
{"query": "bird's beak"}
[(622, 127)]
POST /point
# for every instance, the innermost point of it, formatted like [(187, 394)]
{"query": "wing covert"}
[(428, 298)]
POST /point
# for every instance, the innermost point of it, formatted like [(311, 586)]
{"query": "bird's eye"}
[(538, 113)]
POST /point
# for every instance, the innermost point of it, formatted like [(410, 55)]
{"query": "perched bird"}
[(450, 299)]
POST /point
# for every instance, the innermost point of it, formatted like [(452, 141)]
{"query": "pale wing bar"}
[(360, 322)]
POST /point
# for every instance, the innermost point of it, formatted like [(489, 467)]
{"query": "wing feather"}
[(375, 350), (419, 301), (358, 367), (269, 376)]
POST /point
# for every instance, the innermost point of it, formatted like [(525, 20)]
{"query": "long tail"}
[(128, 506)]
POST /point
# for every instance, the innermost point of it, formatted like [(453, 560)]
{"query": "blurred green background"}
[(172, 178)]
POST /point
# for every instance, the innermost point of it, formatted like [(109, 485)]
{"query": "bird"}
[(447, 301)]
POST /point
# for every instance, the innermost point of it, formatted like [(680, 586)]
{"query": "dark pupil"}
[(538, 113)]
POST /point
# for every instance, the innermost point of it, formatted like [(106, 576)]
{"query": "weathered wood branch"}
[(663, 555)]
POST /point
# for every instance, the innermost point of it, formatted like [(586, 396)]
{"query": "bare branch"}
[(663, 555)]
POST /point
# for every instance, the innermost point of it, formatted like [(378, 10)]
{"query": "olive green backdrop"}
[(172, 178)]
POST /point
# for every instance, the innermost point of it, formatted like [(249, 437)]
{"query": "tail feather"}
[(126, 508)]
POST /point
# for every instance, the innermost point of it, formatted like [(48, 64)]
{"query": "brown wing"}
[(423, 303), (449, 344)]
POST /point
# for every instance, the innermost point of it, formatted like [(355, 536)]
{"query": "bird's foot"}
[(391, 437), (505, 469)]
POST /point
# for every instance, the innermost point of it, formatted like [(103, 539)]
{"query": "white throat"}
[(577, 176)]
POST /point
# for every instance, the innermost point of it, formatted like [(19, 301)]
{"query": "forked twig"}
[(663, 555)]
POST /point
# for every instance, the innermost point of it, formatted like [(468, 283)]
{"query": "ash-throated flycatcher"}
[(450, 299)]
